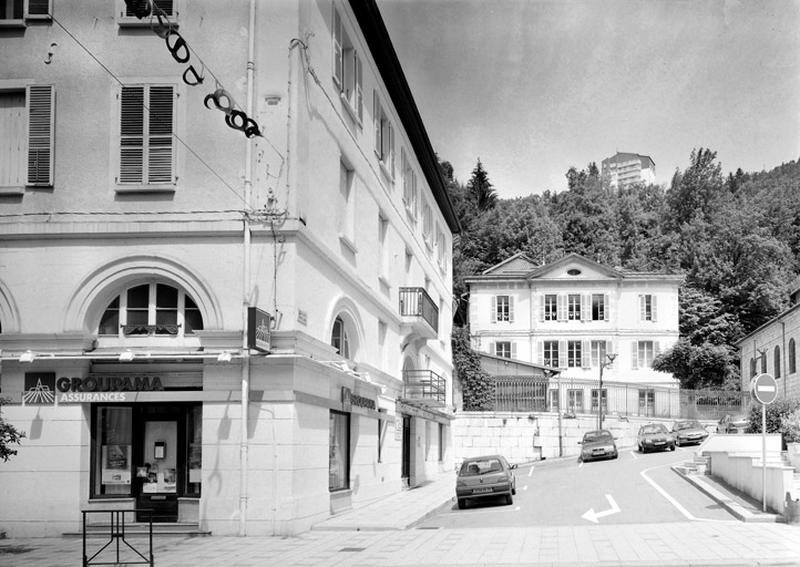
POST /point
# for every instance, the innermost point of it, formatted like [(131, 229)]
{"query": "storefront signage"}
[(259, 324), (80, 397), (349, 399), (105, 388), (40, 388)]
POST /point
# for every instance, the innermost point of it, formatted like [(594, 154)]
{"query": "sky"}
[(534, 87)]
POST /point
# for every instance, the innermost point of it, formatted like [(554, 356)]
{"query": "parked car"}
[(598, 444), (486, 476), (654, 437), (688, 432), (732, 423)]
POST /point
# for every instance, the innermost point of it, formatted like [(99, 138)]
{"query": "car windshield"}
[(688, 425), (593, 436), (654, 429), (474, 467)]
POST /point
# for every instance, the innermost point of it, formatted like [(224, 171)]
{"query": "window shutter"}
[(390, 163), (359, 90), (586, 307), (606, 306), (634, 355), (37, 8), (492, 348), (656, 348), (609, 348), (513, 349), (561, 301), (131, 161), (654, 309), (510, 308), (540, 352), (160, 142), (586, 353), (41, 108), (338, 54), (562, 354), (493, 314), (641, 308), (376, 115), (542, 302)]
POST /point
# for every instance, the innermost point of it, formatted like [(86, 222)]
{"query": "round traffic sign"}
[(764, 388)]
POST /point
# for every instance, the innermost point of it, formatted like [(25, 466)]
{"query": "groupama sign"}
[(105, 388)]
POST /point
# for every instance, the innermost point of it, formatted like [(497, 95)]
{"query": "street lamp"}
[(610, 358)]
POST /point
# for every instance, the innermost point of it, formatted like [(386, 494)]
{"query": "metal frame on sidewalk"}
[(116, 536)]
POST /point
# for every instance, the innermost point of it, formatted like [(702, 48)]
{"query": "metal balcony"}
[(424, 386), (419, 311)]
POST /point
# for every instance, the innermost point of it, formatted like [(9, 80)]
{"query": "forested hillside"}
[(736, 238)]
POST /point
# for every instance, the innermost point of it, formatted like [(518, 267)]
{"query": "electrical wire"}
[(175, 135)]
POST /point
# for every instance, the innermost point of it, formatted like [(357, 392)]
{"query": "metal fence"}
[(525, 393)]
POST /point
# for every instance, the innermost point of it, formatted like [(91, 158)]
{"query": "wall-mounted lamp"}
[(27, 356), (224, 356), (126, 356)]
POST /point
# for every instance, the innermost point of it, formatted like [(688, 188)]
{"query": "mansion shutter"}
[(586, 307), (653, 308), (542, 301), (586, 354), (131, 158), (146, 125), (634, 355), (609, 347), (359, 90), (376, 117), (338, 54), (561, 301), (159, 158), (493, 314), (606, 307), (656, 349), (513, 349), (562, 354), (41, 107), (510, 308), (540, 352), (492, 348), (641, 308), (390, 163)]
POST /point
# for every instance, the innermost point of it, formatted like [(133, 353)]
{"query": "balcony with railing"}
[(419, 311), (425, 387)]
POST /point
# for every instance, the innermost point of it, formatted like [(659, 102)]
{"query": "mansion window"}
[(574, 401), (409, 185), (384, 137), (550, 353), (599, 307), (574, 355), (347, 72), (26, 143), (647, 307), (551, 307), (647, 402), (151, 309), (599, 350), (503, 308), (574, 307), (504, 349), (15, 12), (643, 354)]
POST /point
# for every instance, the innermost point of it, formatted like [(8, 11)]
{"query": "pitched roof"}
[(518, 264)]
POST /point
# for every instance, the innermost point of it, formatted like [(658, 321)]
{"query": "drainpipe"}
[(248, 189), (785, 355)]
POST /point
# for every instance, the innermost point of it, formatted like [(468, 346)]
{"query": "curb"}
[(736, 509)]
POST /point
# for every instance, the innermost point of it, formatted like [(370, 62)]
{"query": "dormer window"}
[(151, 309)]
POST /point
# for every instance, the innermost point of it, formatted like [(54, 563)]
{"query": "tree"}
[(9, 435), (480, 190)]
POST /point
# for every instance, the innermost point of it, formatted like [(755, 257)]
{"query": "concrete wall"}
[(744, 472)]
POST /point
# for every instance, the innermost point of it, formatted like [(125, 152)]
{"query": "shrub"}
[(790, 427), (776, 412), (8, 435)]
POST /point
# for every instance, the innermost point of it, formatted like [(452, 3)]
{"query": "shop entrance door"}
[(158, 470), (406, 467)]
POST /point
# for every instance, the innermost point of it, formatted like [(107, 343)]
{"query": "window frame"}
[(124, 20), (575, 395), (503, 349), (603, 397), (574, 307), (348, 72), (553, 348), (550, 307), (599, 307), (345, 453), (28, 15), (792, 356), (384, 138), (574, 354)]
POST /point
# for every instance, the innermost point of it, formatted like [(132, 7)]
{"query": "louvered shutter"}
[(160, 142), (586, 307), (390, 163), (359, 90), (165, 5), (131, 166), (338, 54), (542, 298), (634, 355), (376, 115), (562, 354), (41, 107), (586, 353), (561, 305), (492, 348), (606, 306), (654, 308), (37, 9), (493, 313), (540, 352), (513, 350), (642, 311), (510, 308)]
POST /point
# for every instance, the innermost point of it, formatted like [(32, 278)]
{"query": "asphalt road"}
[(634, 488)]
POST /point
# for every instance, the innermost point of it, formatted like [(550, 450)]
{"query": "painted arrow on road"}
[(593, 516)]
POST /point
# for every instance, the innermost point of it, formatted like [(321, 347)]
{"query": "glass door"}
[(159, 473)]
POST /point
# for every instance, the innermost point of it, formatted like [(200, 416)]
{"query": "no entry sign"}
[(764, 389)]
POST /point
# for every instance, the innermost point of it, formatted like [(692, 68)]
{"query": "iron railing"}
[(575, 396), (127, 555), (425, 386), (415, 302)]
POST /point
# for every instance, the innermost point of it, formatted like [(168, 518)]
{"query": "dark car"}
[(598, 444), (486, 476), (689, 432), (732, 423), (654, 437)]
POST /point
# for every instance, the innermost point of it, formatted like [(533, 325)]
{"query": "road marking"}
[(516, 509), (593, 516), (665, 494), (633, 454), (525, 487), (530, 472), (580, 465)]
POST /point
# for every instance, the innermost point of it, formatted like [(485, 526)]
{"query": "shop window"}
[(151, 309), (339, 452), (442, 442), (383, 426), (112, 451), (427, 440), (194, 450)]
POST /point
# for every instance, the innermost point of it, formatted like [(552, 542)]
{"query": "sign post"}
[(765, 390)]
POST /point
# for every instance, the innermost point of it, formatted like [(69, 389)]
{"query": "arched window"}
[(339, 339), (752, 367), (764, 362), (151, 309), (777, 361), (792, 359)]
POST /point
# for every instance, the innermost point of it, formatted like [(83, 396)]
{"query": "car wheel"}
[(644, 449), (677, 443), (639, 447), (462, 503), (672, 447), (514, 491), (509, 499)]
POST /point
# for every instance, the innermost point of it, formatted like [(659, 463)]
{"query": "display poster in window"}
[(398, 429), (157, 480), (116, 464), (195, 463)]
